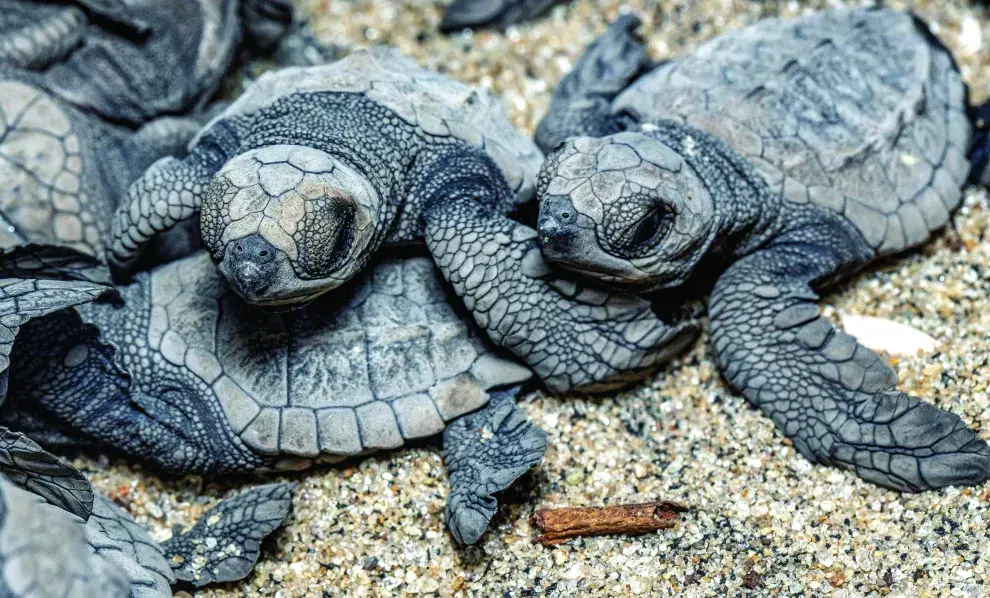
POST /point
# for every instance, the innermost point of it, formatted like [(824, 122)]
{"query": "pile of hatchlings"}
[(247, 239)]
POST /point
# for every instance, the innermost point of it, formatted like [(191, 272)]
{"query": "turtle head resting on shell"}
[(302, 223)]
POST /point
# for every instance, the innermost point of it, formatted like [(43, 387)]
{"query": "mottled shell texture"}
[(857, 111), (393, 363)]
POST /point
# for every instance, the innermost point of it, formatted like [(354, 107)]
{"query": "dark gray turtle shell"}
[(859, 111), (437, 104), (393, 363)]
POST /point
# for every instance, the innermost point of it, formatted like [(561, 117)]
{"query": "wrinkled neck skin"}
[(749, 215)]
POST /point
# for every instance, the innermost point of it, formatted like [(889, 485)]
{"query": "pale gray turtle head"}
[(299, 223), (624, 208)]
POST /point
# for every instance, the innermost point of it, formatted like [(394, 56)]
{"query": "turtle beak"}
[(250, 265)]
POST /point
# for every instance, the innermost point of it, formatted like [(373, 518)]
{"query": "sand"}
[(764, 520)]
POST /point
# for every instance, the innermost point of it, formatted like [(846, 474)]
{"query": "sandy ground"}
[(764, 521)]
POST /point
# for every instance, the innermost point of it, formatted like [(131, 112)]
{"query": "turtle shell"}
[(436, 104), (859, 111), (50, 187), (391, 363)]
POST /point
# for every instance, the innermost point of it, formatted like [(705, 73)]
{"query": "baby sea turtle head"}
[(624, 209), (288, 223)]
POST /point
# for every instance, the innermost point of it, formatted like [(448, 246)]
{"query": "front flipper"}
[(225, 543), (119, 540), (33, 36), (581, 104), (51, 262), (485, 452), (34, 469), (462, 14), (170, 192), (44, 552), (834, 398), (572, 335)]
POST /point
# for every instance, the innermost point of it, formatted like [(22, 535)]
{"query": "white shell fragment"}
[(887, 336)]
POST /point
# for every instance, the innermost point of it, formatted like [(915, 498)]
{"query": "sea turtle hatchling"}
[(312, 170), (782, 158), (184, 374), (85, 87), (60, 538)]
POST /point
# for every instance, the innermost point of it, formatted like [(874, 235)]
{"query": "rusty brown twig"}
[(560, 524)]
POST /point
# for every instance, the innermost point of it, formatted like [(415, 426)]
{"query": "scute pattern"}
[(435, 104), (853, 110), (37, 539), (42, 170), (118, 539), (391, 364)]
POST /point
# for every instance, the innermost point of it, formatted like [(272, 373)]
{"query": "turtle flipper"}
[(34, 469), (462, 14), (44, 552), (38, 35), (581, 104), (834, 398), (119, 540), (485, 452), (573, 336), (170, 191), (225, 543), (52, 262), (979, 156)]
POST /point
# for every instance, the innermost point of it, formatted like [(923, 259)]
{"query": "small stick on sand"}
[(558, 525)]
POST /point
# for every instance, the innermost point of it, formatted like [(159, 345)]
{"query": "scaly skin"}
[(732, 190)]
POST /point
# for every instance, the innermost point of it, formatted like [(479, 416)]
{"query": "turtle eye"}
[(648, 229)]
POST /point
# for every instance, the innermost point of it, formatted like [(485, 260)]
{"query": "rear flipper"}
[(581, 104), (116, 537), (979, 156), (225, 543), (462, 14), (485, 452)]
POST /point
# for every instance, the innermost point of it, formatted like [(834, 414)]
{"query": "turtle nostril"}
[(565, 215), (254, 249)]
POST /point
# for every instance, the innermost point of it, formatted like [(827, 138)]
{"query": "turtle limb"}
[(27, 465), (44, 552), (484, 453), (979, 156), (166, 136), (225, 543), (119, 540), (170, 192), (581, 104), (835, 399), (462, 14), (572, 335), (36, 43)]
